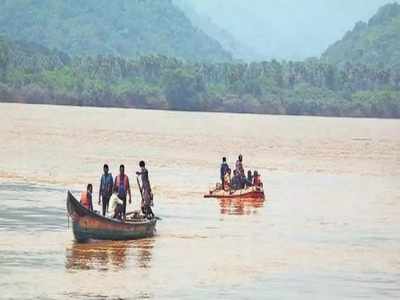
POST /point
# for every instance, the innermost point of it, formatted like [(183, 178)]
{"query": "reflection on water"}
[(240, 206), (138, 296), (96, 255), (105, 255), (144, 255)]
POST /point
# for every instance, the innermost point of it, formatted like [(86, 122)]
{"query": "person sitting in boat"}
[(86, 197), (122, 185), (227, 181), (147, 195), (224, 169), (236, 181), (116, 206), (257, 180), (249, 179)]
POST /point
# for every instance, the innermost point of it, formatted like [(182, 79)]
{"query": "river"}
[(329, 228)]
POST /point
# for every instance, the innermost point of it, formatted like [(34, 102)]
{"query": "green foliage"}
[(37, 75), (183, 89), (126, 28), (61, 79), (4, 51), (377, 103), (376, 43)]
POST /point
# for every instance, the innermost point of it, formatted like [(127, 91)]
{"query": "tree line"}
[(33, 74)]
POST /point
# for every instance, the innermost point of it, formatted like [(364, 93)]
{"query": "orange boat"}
[(253, 192)]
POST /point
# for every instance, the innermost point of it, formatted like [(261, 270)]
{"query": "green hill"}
[(374, 43), (127, 28)]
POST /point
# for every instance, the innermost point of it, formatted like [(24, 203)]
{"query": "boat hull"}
[(248, 193), (88, 225)]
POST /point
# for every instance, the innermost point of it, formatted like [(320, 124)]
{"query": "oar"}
[(141, 194), (140, 188), (131, 213)]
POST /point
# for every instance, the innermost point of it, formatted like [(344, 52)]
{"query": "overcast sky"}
[(288, 29)]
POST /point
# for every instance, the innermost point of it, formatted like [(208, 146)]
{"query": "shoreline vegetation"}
[(18, 102), (34, 74)]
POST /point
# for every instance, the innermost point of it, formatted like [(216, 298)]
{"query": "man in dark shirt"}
[(236, 182), (239, 166), (224, 169), (106, 188), (249, 180)]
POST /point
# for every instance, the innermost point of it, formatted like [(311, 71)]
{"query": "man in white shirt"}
[(116, 206)]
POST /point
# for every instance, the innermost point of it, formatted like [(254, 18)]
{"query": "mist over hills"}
[(127, 28), (287, 29), (207, 30), (238, 50)]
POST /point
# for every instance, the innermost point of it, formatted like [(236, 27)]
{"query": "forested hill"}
[(126, 28), (374, 43)]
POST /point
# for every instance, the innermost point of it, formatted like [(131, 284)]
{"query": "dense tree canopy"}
[(127, 28), (375, 43), (34, 74)]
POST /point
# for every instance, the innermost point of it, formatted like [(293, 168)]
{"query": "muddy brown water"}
[(329, 229)]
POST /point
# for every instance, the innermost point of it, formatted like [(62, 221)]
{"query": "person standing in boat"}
[(121, 184), (239, 166), (240, 172), (106, 189), (224, 170), (86, 197), (147, 195)]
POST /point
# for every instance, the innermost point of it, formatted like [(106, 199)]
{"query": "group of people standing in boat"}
[(239, 180), (115, 193)]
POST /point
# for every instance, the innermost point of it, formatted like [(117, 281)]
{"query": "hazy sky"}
[(286, 29)]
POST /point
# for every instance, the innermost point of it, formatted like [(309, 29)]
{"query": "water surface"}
[(328, 230)]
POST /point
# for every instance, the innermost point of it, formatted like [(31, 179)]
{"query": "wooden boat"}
[(88, 225), (248, 193)]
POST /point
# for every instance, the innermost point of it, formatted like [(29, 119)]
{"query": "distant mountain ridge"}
[(374, 43), (238, 50), (126, 28)]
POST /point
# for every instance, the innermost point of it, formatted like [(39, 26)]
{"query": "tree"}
[(183, 90)]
